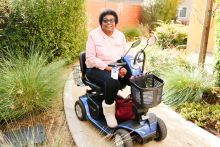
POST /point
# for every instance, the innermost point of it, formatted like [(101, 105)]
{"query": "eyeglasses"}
[(108, 20)]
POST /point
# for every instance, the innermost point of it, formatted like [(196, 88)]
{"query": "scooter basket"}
[(146, 90)]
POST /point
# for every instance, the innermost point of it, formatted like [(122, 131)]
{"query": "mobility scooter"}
[(146, 92)]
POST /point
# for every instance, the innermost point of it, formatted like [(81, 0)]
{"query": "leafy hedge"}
[(47, 25)]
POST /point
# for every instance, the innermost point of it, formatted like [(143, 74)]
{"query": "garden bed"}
[(207, 116), (53, 120)]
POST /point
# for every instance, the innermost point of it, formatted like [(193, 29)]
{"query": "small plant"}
[(28, 84), (171, 35), (131, 33)]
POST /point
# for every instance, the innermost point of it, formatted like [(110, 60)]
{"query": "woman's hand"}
[(122, 72)]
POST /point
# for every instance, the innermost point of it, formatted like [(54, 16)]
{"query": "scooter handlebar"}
[(115, 64)]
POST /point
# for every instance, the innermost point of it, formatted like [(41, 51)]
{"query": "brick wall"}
[(129, 13)]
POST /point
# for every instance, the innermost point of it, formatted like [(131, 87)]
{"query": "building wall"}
[(196, 22), (129, 13)]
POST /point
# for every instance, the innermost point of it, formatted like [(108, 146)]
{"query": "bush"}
[(171, 35), (52, 26), (131, 33), (28, 85)]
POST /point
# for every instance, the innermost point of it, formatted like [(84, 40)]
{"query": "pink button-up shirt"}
[(102, 49)]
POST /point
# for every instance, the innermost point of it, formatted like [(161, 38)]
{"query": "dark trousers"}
[(109, 85)]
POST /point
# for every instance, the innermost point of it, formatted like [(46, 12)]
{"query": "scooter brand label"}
[(114, 73)]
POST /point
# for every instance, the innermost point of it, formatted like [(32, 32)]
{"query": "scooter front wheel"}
[(80, 110), (161, 130), (122, 138)]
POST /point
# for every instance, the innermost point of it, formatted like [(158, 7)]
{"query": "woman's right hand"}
[(122, 72)]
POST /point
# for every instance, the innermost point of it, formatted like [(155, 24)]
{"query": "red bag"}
[(124, 108)]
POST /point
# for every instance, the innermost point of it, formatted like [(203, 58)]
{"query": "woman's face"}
[(108, 24)]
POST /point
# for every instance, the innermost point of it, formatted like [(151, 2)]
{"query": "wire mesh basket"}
[(147, 90), (77, 75)]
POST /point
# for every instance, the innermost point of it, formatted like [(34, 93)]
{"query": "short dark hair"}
[(108, 12)]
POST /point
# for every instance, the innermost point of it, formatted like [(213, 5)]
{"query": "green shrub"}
[(28, 85), (186, 85), (171, 35), (204, 115), (159, 10), (52, 26), (131, 33)]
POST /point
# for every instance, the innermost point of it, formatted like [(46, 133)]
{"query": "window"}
[(182, 12)]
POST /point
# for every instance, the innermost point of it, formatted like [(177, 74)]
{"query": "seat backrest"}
[(82, 62)]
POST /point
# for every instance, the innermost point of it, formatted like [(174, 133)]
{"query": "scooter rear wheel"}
[(80, 110), (122, 138)]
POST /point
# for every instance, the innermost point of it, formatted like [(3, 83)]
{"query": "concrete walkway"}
[(181, 133)]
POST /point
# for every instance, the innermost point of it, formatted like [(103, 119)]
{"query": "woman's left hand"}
[(122, 72)]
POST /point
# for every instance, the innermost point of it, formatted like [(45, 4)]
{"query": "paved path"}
[(181, 133)]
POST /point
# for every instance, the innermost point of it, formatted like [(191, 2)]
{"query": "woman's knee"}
[(112, 84)]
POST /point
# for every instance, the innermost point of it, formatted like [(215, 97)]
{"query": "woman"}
[(105, 45)]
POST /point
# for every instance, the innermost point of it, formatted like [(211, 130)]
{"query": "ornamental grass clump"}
[(186, 85), (28, 84)]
